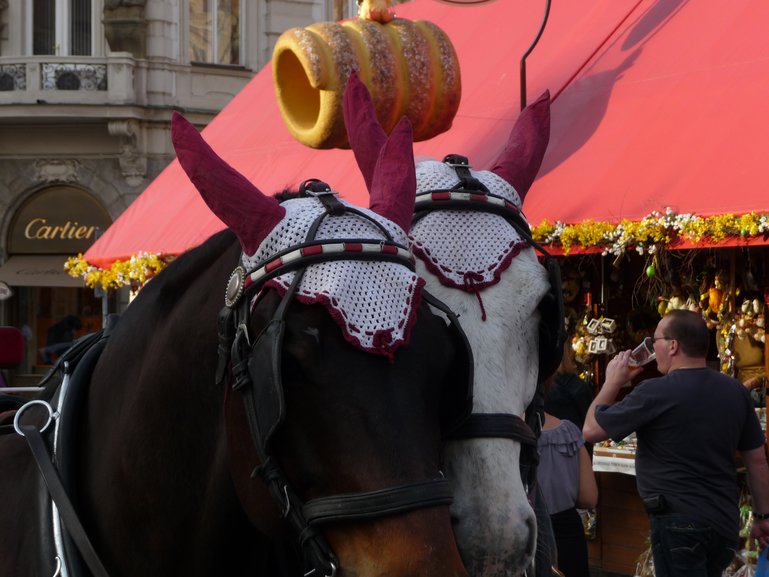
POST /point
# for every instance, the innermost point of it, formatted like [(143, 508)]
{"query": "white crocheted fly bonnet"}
[(439, 238), (373, 301)]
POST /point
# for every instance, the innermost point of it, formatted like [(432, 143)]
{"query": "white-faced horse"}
[(476, 255)]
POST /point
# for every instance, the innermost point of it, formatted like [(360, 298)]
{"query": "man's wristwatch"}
[(760, 516)]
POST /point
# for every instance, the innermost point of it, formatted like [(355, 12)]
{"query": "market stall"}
[(655, 167), (617, 304)]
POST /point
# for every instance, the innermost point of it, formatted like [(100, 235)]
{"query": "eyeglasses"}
[(649, 341)]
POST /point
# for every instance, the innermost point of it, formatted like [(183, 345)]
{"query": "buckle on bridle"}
[(323, 192), (467, 182), (457, 160)]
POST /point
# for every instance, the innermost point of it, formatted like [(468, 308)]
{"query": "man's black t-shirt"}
[(690, 423)]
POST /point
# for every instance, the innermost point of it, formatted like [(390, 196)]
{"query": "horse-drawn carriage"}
[(319, 422)]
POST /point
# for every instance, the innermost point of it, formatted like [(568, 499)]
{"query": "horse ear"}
[(394, 183), (364, 132), (520, 160), (229, 194), (387, 164)]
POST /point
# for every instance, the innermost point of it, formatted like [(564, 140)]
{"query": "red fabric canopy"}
[(670, 112), (656, 104)]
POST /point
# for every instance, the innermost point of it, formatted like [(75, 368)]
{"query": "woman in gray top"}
[(566, 478)]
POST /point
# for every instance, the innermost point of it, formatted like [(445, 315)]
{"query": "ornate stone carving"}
[(73, 77), (133, 163), (13, 76), (125, 26), (56, 170)]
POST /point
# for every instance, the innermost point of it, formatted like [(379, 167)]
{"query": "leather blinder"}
[(264, 367)]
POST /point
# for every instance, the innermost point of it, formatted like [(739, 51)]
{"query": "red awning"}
[(670, 112), (657, 103), (169, 217)]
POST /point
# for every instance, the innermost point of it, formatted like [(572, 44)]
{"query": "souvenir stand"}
[(654, 187), (612, 302)]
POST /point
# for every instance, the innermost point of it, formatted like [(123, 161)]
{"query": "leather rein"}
[(236, 350)]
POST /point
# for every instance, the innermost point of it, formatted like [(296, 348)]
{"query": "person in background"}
[(569, 397), (60, 337), (567, 481), (690, 423)]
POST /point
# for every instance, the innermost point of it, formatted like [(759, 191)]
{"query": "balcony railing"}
[(117, 79), (73, 79)]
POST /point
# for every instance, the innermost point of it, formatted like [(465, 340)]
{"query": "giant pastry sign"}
[(410, 68)]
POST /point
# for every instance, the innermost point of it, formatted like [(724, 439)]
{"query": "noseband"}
[(471, 194), (256, 374)]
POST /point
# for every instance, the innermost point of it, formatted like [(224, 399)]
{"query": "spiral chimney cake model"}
[(410, 68)]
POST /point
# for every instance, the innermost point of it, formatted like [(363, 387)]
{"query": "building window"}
[(215, 31), (62, 27)]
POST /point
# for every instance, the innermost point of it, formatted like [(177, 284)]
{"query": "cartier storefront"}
[(50, 307)]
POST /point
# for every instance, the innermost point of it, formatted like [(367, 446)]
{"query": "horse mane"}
[(177, 277), (288, 194), (184, 270)]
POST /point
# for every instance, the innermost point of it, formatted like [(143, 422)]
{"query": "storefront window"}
[(215, 31), (50, 318), (48, 306)]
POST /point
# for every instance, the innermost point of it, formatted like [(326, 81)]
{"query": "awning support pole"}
[(526, 54)]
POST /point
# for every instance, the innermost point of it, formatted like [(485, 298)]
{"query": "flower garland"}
[(645, 236), (652, 232), (134, 272)]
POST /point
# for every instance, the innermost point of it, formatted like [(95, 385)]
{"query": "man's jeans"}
[(684, 548)]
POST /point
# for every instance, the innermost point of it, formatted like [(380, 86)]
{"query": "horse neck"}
[(504, 345)]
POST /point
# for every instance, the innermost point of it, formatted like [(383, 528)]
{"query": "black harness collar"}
[(259, 361)]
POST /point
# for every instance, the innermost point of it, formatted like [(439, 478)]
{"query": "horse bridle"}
[(470, 194), (264, 404)]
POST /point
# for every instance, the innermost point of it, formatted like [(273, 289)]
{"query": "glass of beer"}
[(643, 354)]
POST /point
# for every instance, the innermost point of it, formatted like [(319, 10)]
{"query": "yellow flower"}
[(134, 272), (656, 230)]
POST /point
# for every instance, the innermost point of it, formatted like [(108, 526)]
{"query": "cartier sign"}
[(57, 220)]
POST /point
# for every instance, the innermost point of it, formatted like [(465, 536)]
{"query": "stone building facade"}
[(87, 89)]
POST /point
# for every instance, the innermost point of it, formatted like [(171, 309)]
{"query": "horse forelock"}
[(373, 302)]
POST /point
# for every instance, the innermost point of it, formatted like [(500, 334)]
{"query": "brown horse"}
[(309, 444)]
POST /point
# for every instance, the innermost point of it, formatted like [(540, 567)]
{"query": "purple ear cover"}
[(522, 156), (229, 194)]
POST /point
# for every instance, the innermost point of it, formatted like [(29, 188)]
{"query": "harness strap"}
[(461, 165), (495, 425), (373, 504), (506, 426), (63, 504), (316, 551)]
